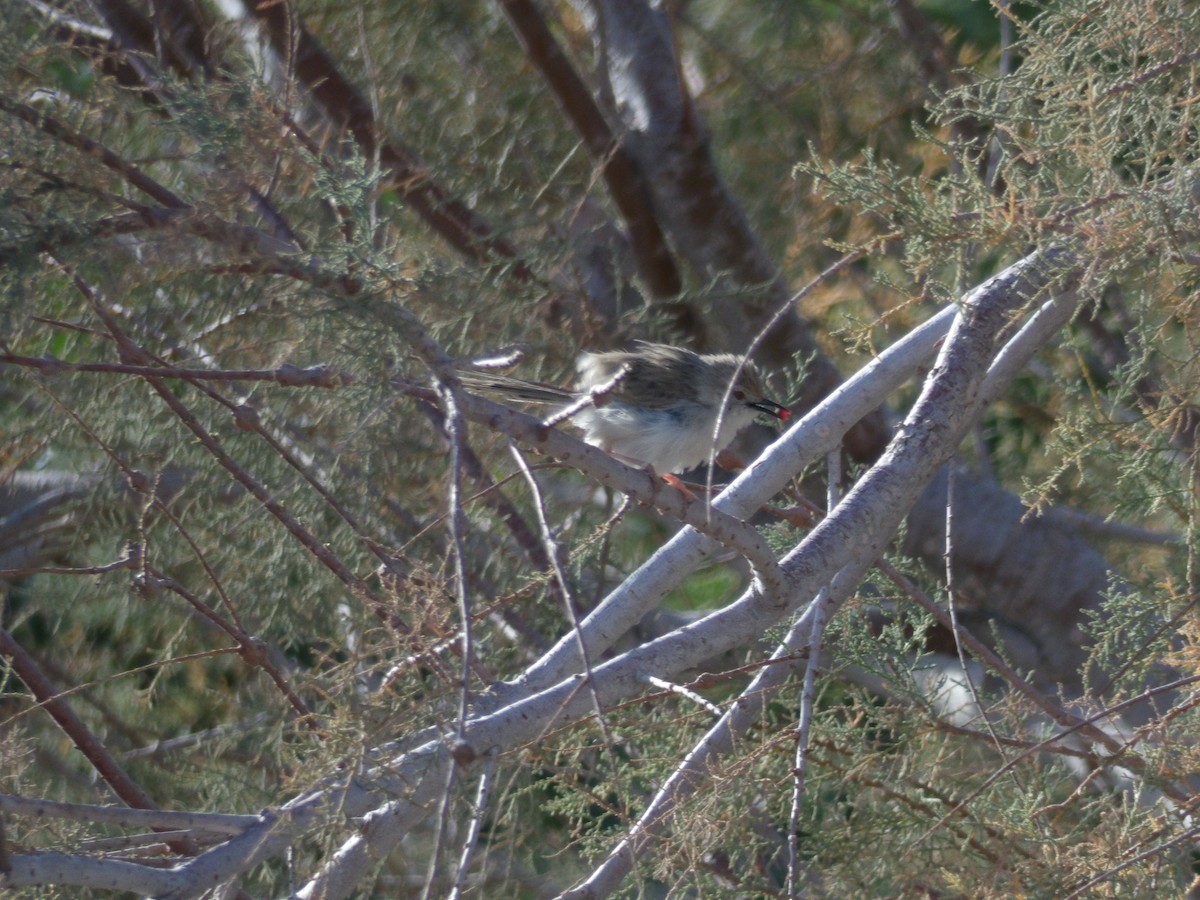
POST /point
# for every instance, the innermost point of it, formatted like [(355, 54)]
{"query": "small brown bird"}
[(663, 411)]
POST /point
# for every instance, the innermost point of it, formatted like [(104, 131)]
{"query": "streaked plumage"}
[(663, 411)]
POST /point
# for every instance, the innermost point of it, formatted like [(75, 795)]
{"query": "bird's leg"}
[(670, 479), (674, 481)]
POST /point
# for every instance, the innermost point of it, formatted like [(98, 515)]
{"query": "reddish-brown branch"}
[(648, 244), (85, 741), (306, 538), (252, 649), (493, 498), (108, 158), (138, 356), (180, 28), (291, 376), (180, 47), (345, 106)]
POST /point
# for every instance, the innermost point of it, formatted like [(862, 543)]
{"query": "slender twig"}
[(1187, 835), (593, 396), (253, 650), (998, 851), (553, 551), (1107, 713), (213, 446), (951, 598), (60, 132), (808, 692), (456, 428), (214, 823), (344, 106), (682, 690), (131, 560), (956, 628), (474, 828), (995, 662), (187, 741), (490, 495), (781, 310), (291, 376), (642, 486)]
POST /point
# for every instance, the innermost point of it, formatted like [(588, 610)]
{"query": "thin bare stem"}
[(288, 375), (474, 828), (808, 693)]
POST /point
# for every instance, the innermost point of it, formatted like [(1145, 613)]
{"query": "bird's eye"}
[(739, 395)]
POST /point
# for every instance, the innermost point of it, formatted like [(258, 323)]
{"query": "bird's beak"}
[(771, 408)]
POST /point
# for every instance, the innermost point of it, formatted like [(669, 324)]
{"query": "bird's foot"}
[(675, 482)]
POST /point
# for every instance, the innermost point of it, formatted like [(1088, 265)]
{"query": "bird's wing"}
[(650, 367), (516, 388)]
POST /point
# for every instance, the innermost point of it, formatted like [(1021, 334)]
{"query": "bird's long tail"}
[(516, 388)]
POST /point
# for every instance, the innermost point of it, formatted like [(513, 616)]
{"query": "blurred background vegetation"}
[(171, 196)]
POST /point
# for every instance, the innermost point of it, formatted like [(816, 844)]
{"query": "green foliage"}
[(324, 531)]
